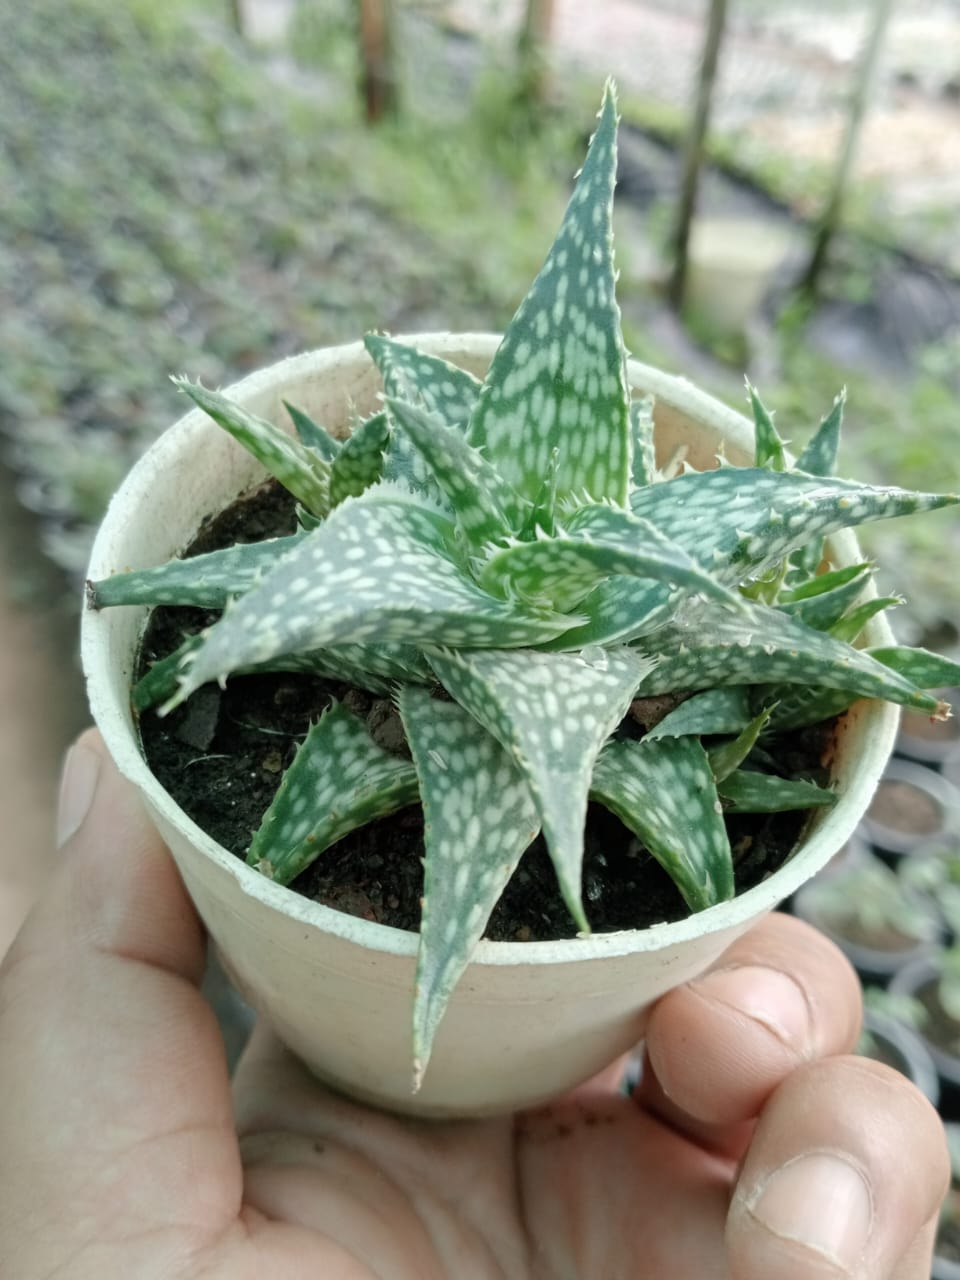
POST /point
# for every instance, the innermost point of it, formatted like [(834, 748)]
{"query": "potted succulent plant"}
[(912, 805), (570, 605), (876, 919)]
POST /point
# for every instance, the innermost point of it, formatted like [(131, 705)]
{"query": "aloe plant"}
[(513, 543)]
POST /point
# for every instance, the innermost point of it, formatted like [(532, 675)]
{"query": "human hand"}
[(750, 1150)]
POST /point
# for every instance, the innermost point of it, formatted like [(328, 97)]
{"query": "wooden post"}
[(693, 150), (377, 58), (532, 52), (829, 219)]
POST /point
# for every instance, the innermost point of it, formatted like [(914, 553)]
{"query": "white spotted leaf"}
[(725, 757), (479, 817), (359, 463), (923, 668), (380, 569), (376, 668), (701, 649), (798, 706), (735, 522), (311, 434), (738, 521), (599, 542), (486, 507), (643, 462), (552, 713), (440, 387), (558, 379), (301, 470), (769, 451), (340, 779), (853, 622), (714, 711), (665, 793), (819, 458), (433, 383), (748, 792), (206, 581), (837, 591)]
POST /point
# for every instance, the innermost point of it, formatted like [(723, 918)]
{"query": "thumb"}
[(107, 1050)]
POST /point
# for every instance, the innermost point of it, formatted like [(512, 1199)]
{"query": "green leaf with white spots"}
[(301, 470), (836, 592), (376, 668), (552, 713), (725, 757), (558, 379), (851, 624), (819, 458), (440, 387), (479, 817), (643, 461), (599, 542), (798, 706), (160, 682), (487, 508), (339, 780), (311, 434), (206, 581), (359, 464), (715, 711), (665, 793), (541, 518), (825, 583), (925, 669), (619, 610), (381, 570), (705, 648), (749, 792), (737, 521), (769, 450)]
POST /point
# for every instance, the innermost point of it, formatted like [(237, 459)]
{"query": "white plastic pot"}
[(528, 1020)]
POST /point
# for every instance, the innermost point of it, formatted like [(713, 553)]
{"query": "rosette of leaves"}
[(512, 543)]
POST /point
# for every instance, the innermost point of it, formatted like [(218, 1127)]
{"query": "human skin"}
[(755, 1147)]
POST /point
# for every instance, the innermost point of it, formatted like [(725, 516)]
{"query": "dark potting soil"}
[(223, 753)]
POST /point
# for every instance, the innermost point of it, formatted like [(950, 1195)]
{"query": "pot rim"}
[(115, 721)]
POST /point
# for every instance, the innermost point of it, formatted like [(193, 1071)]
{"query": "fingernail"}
[(78, 783), (768, 996), (821, 1201)]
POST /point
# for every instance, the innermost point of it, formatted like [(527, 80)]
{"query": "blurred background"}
[(204, 186)]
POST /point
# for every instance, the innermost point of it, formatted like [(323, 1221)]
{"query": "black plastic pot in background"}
[(914, 980), (821, 904), (901, 1048), (912, 804), (927, 741)]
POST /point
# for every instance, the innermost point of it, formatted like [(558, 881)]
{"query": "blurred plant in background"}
[(179, 199)]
